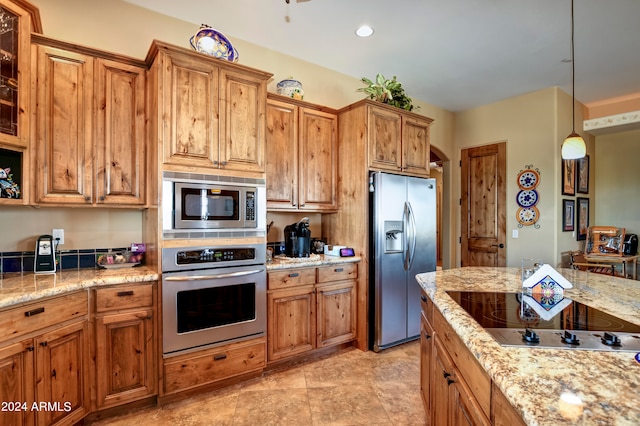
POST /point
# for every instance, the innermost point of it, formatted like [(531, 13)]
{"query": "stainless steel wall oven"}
[(212, 295)]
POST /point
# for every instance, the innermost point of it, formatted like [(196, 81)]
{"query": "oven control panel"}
[(208, 255)]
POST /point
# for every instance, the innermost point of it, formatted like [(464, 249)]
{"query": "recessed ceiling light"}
[(364, 31)]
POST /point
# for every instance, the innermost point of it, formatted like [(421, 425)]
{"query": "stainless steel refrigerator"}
[(403, 244)]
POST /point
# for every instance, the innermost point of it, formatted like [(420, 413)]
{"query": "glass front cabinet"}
[(18, 18)]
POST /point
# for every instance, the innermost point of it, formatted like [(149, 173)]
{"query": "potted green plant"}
[(386, 91)]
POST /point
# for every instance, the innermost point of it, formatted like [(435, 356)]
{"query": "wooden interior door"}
[(483, 211)]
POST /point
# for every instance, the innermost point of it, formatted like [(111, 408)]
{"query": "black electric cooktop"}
[(517, 319)]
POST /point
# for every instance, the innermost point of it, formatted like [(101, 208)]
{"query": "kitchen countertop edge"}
[(279, 262), (20, 288)]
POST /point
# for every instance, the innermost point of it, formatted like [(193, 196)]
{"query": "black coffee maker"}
[(297, 239)]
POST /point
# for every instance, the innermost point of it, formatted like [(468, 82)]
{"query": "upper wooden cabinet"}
[(206, 112), (398, 142), (89, 130), (301, 155), (17, 19), (395, 140)]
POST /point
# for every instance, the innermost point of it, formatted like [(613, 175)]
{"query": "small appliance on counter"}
[(45, 261), (630, 245), (297, 239)]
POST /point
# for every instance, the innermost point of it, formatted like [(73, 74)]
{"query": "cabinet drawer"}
[(342, 271), (427, 307), (124, 297), (291, 277), (197, 369), (473, 374), (39, 315)]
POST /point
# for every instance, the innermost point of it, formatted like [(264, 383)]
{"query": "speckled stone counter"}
[(282, 262), (16, 288), (607, 383)]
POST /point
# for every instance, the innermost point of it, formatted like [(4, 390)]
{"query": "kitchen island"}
[(605, 386)]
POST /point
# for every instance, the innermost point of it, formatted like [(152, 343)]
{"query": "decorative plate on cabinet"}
[(213, 43)]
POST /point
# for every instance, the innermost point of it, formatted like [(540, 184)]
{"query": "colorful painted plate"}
[(213, 43)]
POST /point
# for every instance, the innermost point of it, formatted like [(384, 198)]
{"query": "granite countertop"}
[(283, 262), (17, 288), (532, 379)]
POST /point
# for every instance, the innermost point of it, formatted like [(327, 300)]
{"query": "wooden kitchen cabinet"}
[(310, 308), (398, 142), (125, 344), (455, 389), (206, 113), (89, 127), (301, 155), (45, 360), (19, 19)]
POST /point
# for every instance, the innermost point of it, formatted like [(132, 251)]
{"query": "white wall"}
[(617, 181)]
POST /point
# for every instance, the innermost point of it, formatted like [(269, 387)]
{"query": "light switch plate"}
[(514, 233)]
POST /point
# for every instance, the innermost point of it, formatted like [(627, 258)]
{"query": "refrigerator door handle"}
[(412, 222)]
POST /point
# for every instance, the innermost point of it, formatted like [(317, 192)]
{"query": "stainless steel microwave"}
[(195, 201)]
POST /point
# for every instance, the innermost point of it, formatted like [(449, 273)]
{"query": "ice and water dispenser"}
[(393, 236)]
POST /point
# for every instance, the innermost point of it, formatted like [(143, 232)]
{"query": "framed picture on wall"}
[(582, 175), (582, 215), (568, 215), (568, 177)]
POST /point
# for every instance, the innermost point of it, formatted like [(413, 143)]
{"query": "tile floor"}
[(350, 388)]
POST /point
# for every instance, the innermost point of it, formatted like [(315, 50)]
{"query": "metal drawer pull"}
[(295, 274), (424, 298), (219, 357), (34, 312), (125, 293), (339, 269)]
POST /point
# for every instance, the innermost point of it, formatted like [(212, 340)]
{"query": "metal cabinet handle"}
[(87, 199), (427, 336), (338, 270), (125, 293), (293, 275), (34, 312), (219, 357), (424, 298)]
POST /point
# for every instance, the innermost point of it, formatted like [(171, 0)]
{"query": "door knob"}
[(498, 245)]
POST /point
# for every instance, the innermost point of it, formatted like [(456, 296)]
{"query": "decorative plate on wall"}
[(528, 179), (527, 197)]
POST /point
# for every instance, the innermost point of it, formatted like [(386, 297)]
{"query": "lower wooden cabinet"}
[(47, 371), (125, 350), (455, 389), (206, 367), (310, 308)]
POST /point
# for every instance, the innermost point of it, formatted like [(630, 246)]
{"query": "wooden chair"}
[(579, 262)]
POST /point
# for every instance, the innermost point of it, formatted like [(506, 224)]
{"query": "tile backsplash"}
[(22, 261)]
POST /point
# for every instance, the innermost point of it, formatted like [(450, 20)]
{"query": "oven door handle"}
[(214, 277)]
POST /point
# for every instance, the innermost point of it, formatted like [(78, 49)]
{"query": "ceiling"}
[(455, 54)]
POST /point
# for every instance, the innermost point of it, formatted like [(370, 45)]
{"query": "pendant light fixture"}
[(573, 146)]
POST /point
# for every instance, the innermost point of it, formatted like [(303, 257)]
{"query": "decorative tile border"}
[(22, 261)]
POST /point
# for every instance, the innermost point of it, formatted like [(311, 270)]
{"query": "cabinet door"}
[(318, 156), (14, 74), (124, 357), (415, 147), (442, 393), (467, 411), (385, 139), (426, 360), (61, 374), (63, 138), (291, 326), (336, 313), (281, 155), (120, 133), (17, 383), (190, 120), (242, 121)]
